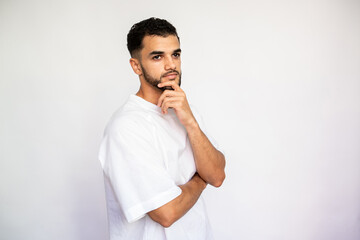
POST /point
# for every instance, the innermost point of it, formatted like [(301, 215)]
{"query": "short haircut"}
[(149, 27)]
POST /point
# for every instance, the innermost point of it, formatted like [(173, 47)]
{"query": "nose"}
[(169, 63)]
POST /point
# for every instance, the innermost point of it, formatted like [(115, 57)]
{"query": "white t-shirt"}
[(145, 155)]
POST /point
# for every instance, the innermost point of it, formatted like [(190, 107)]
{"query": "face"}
[(160, 60)]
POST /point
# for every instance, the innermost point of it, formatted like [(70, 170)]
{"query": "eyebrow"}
[(156, 53), (161, 52)]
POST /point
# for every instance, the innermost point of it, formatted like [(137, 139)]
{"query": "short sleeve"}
[(137, 173)]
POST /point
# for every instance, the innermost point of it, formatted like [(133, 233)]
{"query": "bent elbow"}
[(220, 177), (164, 218), (217, 184), (165, 223), (219, 181)]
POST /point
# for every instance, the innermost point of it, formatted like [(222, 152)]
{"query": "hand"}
[(176, 99)]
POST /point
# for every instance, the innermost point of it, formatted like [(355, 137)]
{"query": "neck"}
[(149, 92)]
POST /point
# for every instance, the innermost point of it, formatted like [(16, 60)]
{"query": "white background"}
[(277, 82)]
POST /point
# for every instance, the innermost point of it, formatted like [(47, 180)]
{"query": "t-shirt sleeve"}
[(136, 170)]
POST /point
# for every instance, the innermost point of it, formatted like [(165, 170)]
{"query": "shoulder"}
[(128, 121)]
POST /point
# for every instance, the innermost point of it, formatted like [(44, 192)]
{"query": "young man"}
[(155, 156)]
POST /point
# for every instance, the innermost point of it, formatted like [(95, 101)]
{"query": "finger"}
[(167, 93), (173, 102), (169, 104), (172, 99), (172, 84)]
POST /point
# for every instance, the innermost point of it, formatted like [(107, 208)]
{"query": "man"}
[(155, 157)]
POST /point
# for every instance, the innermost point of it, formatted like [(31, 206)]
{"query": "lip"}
[(171, 75)]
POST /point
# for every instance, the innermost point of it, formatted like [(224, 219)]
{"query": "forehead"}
[(158, 43)]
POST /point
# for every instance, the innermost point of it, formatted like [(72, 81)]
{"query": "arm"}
[(210, 163), (169, 213)]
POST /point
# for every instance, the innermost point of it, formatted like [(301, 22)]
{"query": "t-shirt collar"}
[(145, 104)]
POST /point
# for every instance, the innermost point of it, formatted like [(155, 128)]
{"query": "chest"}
[(173, 143)]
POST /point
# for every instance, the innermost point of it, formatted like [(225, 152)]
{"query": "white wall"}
[(277, 82)]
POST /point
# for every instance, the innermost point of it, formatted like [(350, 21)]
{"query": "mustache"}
[(170, 72)]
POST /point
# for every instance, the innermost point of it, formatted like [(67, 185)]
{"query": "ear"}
[(135, 64)]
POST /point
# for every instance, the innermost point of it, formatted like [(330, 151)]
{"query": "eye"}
[(176, 55), (156, 57)]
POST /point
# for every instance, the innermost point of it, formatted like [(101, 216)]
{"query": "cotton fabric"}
[(145, 156)]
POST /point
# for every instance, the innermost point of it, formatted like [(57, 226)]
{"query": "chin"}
[(177, 80)]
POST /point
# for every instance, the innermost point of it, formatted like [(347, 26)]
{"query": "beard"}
[(155, 81)]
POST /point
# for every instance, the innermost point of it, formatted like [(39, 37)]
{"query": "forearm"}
[(169, 213), (210, 163)]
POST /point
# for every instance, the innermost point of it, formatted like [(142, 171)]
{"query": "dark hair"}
[(148, 27)]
